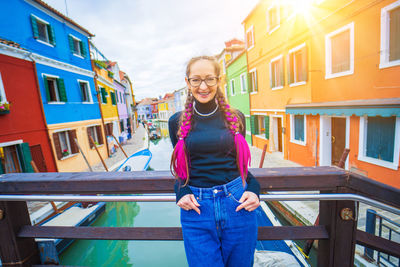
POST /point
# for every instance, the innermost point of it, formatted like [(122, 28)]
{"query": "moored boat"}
[(138, 161)]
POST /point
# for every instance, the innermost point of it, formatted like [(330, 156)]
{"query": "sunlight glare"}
[(302, 7)]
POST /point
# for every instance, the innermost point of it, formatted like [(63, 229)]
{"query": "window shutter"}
[(290, 68), (111, 128), (113, 101), (46, 86), (380, 138), (304, 62), (103, 95), (1, 166), (299, 127), (57, 146), (83, 49), (52, 35), (252, 124), (25, 157), (72, 137), (34, 27), (266, 120), (61, 90), (71, 44), (99, 135), (394, 36), (271, 83), (249, 82), (255, 81), (91, 145)]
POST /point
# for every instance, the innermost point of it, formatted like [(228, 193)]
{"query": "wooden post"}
[(263, 156), (343, 158), (98, 153), (83, 155), (339, 219), (120, 146), (16, 251)]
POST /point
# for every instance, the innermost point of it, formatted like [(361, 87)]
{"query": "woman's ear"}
[(187, 83)]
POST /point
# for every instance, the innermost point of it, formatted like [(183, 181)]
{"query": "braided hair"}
[(180, 158)]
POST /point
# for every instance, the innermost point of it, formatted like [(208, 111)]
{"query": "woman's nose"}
[(203, 85)]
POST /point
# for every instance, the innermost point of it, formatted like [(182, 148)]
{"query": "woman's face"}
[(202, 81)]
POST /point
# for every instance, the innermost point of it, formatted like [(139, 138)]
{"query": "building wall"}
[(109, 110), (25, 121)]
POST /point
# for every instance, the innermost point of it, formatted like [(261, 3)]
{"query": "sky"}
[(152, 40)]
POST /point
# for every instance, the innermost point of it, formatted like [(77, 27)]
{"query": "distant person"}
[(216, 193), (129, 132)]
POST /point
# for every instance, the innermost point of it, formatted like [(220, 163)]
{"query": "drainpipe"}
[(41, 108)]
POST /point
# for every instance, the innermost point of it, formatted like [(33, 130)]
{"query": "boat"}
[(138, 161)]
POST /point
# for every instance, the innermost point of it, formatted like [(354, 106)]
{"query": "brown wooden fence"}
[(337, 235)]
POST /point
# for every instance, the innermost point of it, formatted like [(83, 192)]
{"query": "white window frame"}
[(328, 54), (58, 102), (275, 59), (2, 92), (385, 37), (95, 138), (251, 28), (362, 146), (243, 83), (232, 87), (226, 90), (293, 51), (292, 130), (68, 143), (74, 38), (254, 82), (88, 91), (47, 33), (278, 16)]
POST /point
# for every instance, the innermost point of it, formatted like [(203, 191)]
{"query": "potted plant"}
[(65, 152), (4, 108)]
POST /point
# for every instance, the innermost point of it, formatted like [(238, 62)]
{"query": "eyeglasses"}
[(196, 82)]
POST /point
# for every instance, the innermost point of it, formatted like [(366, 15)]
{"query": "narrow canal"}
[(130, 214)]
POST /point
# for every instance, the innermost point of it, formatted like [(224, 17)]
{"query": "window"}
[(3, 98), (85, 91), (96, 134), (55, 89), (297, 65), (76, 46), (298, 129), (276, 73), (273, 18), (232, 87), (243, 83), (380, 141), (250, 38), (64, 143), (103, 95), (390, 35), (259, 125), (43, 31), (339, 52), (252, 81), (15, 157), (113, 100), (120, 97)]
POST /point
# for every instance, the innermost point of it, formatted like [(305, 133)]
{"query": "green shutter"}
[(46, 86), (282, 72), (34, 27), (61, 90), (252, 124), (71, 44), (271, 84), (304, 64), (83, 49), (266, 121), (103, 95), (1, 166), (52, 35), (249, 83), (25, 157), (113, 101)]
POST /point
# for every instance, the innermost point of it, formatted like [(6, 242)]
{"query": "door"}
[(279, 134), (38, 158), (338, 139)]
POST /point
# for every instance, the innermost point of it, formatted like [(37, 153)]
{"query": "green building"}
[(238, 88)]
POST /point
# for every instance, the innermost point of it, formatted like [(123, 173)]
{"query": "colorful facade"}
[(323, 89), (238, 88), (60, 49), (23, 135)]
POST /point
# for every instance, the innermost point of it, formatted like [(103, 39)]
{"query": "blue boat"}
[(138, 161)]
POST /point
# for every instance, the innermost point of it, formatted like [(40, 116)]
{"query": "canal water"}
[(133, 214)]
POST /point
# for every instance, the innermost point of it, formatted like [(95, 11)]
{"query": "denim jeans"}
[(219, 236)]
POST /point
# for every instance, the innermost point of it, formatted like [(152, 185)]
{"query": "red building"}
[(23, 134)]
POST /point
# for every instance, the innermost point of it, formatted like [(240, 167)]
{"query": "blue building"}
[(180, 99), (60, 49), (144, 109)]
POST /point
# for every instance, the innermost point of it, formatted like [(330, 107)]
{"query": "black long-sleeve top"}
[(212, 153)]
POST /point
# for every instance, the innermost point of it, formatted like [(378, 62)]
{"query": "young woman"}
[(216, 193)]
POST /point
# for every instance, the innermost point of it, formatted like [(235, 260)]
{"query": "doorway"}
[(338, 139)]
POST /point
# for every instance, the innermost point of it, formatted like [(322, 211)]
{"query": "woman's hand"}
[(189, 202), (249, 201)]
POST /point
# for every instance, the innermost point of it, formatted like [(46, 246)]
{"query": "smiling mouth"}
[(204, 93)]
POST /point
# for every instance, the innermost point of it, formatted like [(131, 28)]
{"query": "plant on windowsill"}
[(65, 153), (96, 143), (110, 74), (4, 108)]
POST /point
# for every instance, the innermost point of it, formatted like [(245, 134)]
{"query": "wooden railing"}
[(336, 232)]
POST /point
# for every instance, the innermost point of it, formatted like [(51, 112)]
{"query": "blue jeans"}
[(219, 236)]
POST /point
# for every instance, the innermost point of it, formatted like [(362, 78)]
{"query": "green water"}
[(133, 214)]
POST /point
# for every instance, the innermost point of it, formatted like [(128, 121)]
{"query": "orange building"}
[(326, 78)]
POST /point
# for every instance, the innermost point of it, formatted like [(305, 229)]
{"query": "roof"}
[(121, 75), (233, 59), (58, 13), (252, 11), (147, 101), (233, 42), (10, 43)]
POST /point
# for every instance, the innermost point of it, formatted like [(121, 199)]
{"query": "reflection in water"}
[(132, 214)]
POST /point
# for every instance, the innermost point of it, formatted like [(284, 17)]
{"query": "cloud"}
[(153, 40)]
